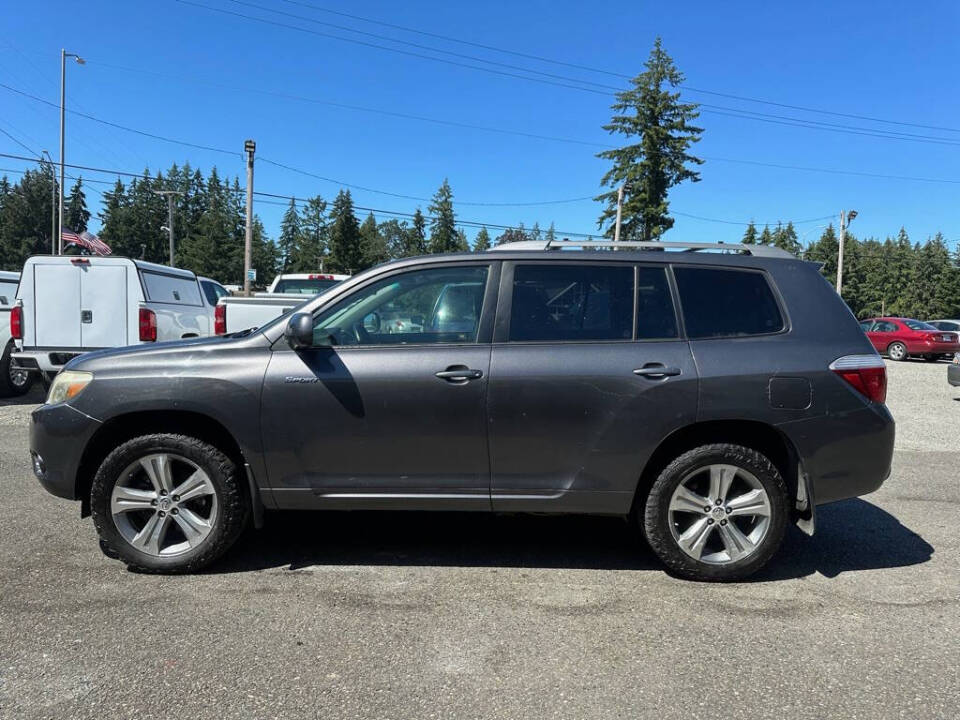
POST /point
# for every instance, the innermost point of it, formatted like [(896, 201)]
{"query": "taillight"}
[(866, 373), (16, 322), (220, 320), (148, 325)]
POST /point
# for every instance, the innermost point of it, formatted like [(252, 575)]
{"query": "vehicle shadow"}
[(852, 535), (34, 396)]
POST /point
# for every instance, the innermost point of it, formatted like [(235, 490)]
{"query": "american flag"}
[(86, 240)]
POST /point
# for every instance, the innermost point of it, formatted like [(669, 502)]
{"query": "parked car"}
[(713, 397), (953, 371), (69, 305), (900, 338), (948, 325), (13, 380), (305, 283)]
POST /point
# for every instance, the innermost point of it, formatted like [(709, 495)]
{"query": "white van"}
[(68, 305)]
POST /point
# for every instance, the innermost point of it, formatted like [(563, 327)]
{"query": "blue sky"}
[(178, 70)]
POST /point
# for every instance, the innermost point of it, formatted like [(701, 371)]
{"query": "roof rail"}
[(755, 250)]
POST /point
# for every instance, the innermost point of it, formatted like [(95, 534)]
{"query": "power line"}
[(279, 196), (25, 147), (611, 73)]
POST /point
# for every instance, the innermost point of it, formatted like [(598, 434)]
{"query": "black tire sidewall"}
[(656, 520), (7, 388), (232, 503)]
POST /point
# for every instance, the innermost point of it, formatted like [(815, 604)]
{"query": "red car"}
[(900, 338)]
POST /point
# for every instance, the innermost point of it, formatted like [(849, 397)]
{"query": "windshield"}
[(306, 286), (917, 325)]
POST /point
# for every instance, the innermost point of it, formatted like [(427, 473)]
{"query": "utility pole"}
[(53, 204), (63, 95), (250, 147), (170, 195), (616, 229), (845, 219)]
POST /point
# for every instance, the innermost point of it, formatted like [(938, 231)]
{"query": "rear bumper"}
[(43, 360), (933, 349), (953, 375), (58, 436), (845, 455)]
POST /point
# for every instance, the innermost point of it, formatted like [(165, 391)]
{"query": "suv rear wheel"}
[(168, 503), (717, 512)]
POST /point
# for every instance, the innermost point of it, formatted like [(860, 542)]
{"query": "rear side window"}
[(656, 319), (8, 292), (571, 302), (725, 303), (171, 289), (213, 291)]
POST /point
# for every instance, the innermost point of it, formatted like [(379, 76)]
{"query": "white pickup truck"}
[(285, 293), (69, 305), (13, 380)]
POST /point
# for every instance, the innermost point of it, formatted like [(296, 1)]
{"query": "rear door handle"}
[(459, 374), (656, 371)]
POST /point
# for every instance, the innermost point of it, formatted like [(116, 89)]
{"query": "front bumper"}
[(953, 374), (58, 436)]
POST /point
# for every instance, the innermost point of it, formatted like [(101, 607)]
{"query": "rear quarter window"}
[(171, 289), (727, 303), (8, 292)]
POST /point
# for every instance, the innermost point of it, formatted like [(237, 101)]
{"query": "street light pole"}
[(250, 147), (63, 94), (845, 219), (616, 229), (53, 204), (170, 195)]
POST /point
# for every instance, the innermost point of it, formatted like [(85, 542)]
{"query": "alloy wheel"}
[(897, 351), (18, 376), (164, 504), (719, 514)]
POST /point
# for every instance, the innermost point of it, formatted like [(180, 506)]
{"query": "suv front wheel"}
[(168, 503), (717, 512)]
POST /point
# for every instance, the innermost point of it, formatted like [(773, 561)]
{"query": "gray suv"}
[(713, 395)]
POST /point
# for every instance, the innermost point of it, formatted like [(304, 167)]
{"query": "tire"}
[(671, 516), (136, 486), (13, 384), (897, 351)]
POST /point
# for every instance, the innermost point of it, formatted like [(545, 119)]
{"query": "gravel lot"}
[(456, 616)]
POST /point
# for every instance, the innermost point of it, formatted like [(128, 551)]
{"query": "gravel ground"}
[(457, 616)]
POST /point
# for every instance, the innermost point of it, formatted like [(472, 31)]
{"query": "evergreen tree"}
[(766, 237), (551, 233), (462, 243), (76, 216), (289, 240), (651, 116), (396, 237), (785, 238), (312, 249), (443, 230), (750, 235), (824, 251), (517, 234), (535, 233), (374, 247), (417, 242), (482, 241), (263, 255), (345, 242), (25, 221)]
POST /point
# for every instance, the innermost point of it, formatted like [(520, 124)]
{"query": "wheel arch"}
[(759, 436), (119, 429)]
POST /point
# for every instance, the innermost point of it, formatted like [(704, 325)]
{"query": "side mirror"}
[(299, 331)]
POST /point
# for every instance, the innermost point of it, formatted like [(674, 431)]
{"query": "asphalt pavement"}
[(394, 615)]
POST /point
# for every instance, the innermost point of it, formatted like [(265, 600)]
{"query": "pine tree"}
[(824, 251), (417, 243), (443, 229), (314, 237), (750, 235), (786, 238), (766, 237), (374, 247), (289, 240), (345, 245), (76, 215), (517, 234), (535, 233), (551, 234), (482, 241), (652, 117)]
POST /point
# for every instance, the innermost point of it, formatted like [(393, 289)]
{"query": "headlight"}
[(66, 385)]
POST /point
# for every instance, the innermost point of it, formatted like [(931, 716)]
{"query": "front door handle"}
[(657, 371), (459, 373)]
